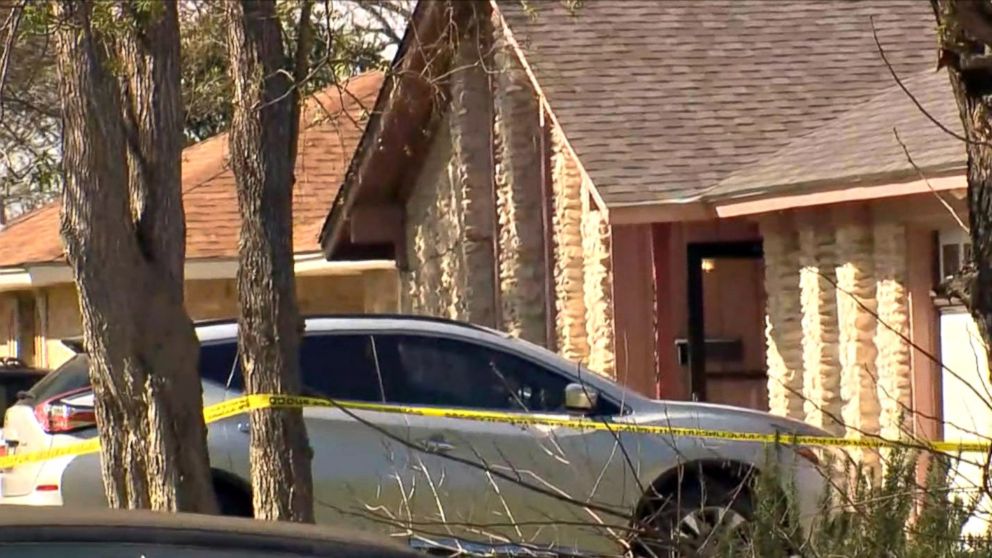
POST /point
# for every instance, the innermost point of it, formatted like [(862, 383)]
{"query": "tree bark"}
[(123, 231), (963, 35), (261, 141)]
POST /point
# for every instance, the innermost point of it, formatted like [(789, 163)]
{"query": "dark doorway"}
[(725, 346)]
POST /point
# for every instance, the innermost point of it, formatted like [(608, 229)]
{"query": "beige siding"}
[(57, 308), (8, 324)]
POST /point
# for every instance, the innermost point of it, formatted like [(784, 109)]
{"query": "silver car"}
[(452, 481)]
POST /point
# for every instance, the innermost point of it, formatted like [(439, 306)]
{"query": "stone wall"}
[(475, 239), (833, 277), (449, 212), (434, 282), (569, 269), (598, 289), (783, 327), (519, 178)]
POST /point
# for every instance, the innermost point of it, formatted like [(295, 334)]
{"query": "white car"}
[(468, 483)]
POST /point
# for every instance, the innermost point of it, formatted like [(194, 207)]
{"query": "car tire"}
[(233, 502), (699, 518)]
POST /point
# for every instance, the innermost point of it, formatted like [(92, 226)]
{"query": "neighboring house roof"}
[(663, 100), (332, 124), (859, 147)]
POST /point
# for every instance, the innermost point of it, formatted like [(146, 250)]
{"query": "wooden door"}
[(726, 313)]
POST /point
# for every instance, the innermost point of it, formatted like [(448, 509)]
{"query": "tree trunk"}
[(123, 235), (964, 32), (261, 140)]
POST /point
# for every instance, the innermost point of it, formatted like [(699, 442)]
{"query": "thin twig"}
[(895, 76), (923, 177)]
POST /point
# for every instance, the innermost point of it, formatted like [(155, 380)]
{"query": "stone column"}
[(470, 127), (518, 173), (856, 321), (570, 319), (818, 301), (783, 326), (893, 363), (598, 286)]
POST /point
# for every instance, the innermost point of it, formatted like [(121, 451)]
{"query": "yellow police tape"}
[(243, 404)]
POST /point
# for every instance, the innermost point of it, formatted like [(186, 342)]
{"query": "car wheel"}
[(233, 502), (703, 518)]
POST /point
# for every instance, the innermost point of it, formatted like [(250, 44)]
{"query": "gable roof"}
[(860, 147), (332, 124), (663, 100)]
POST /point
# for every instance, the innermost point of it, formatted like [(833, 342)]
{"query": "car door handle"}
[(438, 445)]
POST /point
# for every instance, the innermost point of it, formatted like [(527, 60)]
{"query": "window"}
[(73, 375), (448, 373), (219, 364), (340, 367)]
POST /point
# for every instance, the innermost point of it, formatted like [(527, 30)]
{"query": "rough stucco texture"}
[(435, 282), (783, 329), (856, 323), (449, 213), (598, 287), (821, 360), (853, 308), (518, 178), (893, 363), (570, 306)]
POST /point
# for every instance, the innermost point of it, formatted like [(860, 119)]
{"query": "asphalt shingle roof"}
[(664, 99), (860, 145), (332, 123)]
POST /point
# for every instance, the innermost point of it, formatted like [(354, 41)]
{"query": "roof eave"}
[(841, 190), (405, 94), (305, 264)]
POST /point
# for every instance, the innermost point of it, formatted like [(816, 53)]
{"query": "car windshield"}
[(71, 376)]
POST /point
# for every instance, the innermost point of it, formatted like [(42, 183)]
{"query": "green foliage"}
[(339, 49), (893, 518), (348, 38)]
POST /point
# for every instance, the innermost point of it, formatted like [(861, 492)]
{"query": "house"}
[(38, 301), (703, 202)]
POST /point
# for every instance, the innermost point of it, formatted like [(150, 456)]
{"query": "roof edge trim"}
[(306, 264), (861, 192)]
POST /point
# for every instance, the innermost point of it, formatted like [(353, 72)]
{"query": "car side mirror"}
[(580, 398)]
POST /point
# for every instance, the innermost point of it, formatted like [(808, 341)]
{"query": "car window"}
[(219, 364), (450, 373), (73, 375), (216, 362), (341, 367)]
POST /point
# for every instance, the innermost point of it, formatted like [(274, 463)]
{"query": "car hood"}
[(718, 417)]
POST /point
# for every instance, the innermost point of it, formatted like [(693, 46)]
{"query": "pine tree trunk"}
[(269, 323), (123, 235), (965, 32)]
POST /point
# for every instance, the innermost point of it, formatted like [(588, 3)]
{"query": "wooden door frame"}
[(696, 252)]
